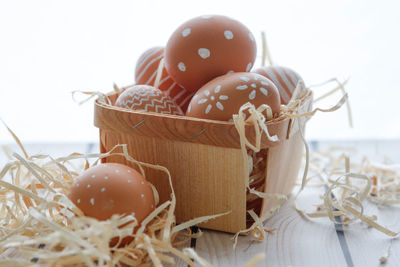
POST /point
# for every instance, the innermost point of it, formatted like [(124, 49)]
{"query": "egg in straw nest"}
[(48, 220)]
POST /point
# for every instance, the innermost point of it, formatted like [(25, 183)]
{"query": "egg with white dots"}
[(112, 188), (223, 96), (206, 47)]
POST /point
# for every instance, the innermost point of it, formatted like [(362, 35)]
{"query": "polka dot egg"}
[(284, 78), (111, 188), (146, 72), (222, 97), (206, 47)]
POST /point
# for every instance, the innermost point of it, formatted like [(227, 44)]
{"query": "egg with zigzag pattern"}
[(147, 98)]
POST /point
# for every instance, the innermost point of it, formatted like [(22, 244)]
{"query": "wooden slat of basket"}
[(210, 183), (181, 128)]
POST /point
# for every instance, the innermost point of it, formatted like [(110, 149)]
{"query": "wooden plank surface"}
[(295, 241)]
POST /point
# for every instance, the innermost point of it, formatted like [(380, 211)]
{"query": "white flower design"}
[(253, 86), (212, 98)]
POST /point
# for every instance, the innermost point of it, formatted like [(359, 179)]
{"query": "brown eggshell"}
[(111, 188), (284, 78), (222, 97), (207, 47), (146, 72), (147, 98)]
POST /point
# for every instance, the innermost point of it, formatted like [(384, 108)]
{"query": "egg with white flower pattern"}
[(206, 47), (223, 96)]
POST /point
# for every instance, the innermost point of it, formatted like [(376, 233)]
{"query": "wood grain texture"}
[(207, 180), (282, 169), (181, 128)]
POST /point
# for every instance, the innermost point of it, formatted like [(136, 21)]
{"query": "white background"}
[(50, 48)]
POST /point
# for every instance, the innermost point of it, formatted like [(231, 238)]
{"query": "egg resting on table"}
[(284, 78), (146, 73), (223, 96), (111, 188), (147, 98), (206, 47)]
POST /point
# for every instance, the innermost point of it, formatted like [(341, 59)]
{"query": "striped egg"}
[(147, 98), (146, 73), (284, 78)]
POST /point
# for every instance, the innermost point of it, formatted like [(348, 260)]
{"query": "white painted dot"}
[(223, 97), (208, 108), (92, 201), (251, 36), (255, 76), (202, 101), (93, 175), (254, 85), (242, 87), (206, 17), (265, 83), (186, 32), (116, 171), (204, 53), (129, 171), (106, 177), (129, 181), (217, 89), (78, 200), (228, 35), (142, 195), (248, 68), (252, 95), (264, 91), (88, 186), (244, 78), (212, 98), (103, 189), (207, 93), (181, 66), (220, 106), (142, 182)]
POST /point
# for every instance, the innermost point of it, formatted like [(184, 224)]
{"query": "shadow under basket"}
[(205, 160)]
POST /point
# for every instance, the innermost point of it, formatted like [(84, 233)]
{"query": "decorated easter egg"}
[(147, 98), (284, 78), (146, 73), (223, 96), (206, 47), (111, 188)]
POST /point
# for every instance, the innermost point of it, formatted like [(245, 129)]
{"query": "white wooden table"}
[(296, 240)]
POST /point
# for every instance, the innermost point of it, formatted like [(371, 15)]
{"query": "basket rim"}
[(182, 128)]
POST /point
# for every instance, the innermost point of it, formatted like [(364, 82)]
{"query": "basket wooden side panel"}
[(207, 179), (283, 164)]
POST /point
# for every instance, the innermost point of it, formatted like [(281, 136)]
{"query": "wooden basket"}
[(204, 159)]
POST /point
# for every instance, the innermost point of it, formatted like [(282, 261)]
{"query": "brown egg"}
[(147, 98), (284, 78), (111, 188), (206, 47), (222, 97), (146, 72)]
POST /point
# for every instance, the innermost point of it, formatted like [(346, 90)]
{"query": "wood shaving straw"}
[(40, 226), (346, 194)]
